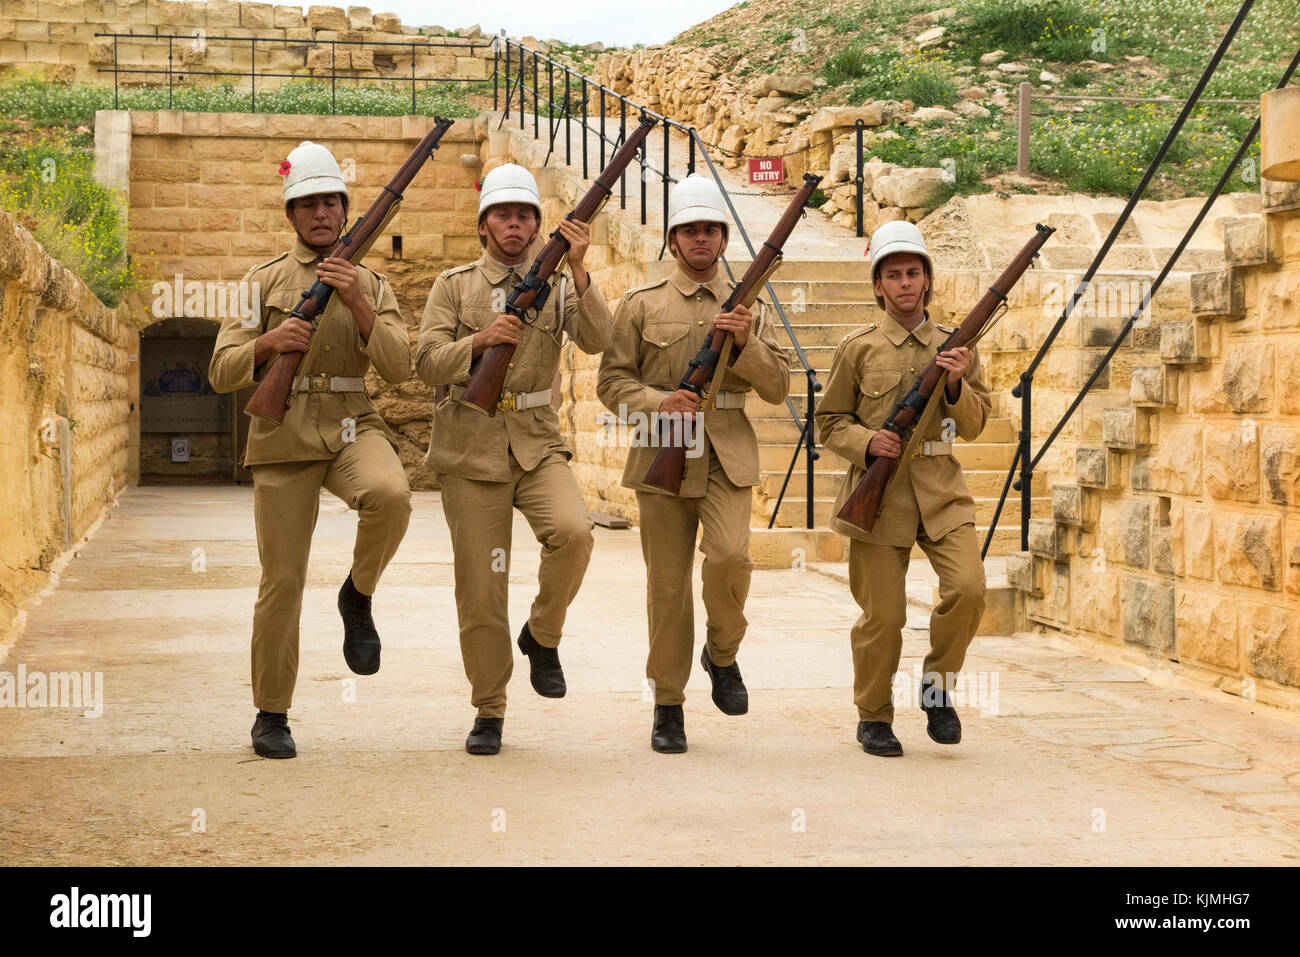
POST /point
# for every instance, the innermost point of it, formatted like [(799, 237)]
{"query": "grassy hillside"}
[(866, 49)]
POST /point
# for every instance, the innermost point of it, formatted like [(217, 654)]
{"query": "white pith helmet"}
[(696, 199), (509, 183), (310, 169), (899, 236)]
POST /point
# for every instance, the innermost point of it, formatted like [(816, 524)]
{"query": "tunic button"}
[(699, 322), (327, 348), (510, 366), (698, 297), (874, 394), (663, 345)]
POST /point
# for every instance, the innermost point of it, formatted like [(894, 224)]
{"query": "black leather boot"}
[(485, 738), (271, 738), (669, 734), (360, 640), (941, 721), (877, 737), (729, 692), (544, 669)]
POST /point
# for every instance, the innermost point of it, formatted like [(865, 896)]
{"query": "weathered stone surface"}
[(992, 57), (1091, 467), (1277, 195), (1207, 629), (1053, 608), (327, 18), (1015, 69), (791, 86), (921, 186), (1178, 343), (1245, 241), (771, 104), (1046, 539), (928, 38), (971, 110), (1198, 543), (1279, 299), (1232, 461), (360, 18), (926, 114), (1279, 151), (1249, 550), (1148, 613), (836, 117), (1067, 504), (1272, 642), (844, 165), (387, 22), (1162, 555), (1288, 381), (1218, 294), (1095, 597), (1126, 532), (1173, 463), (1281, 460), (1119, 428), (1020, 572), (1147, 385)]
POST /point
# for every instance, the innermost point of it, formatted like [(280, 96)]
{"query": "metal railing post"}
[(252, 72), (568, 159), (550, 99), (1026, 483), (602, 127), (523, 79), (690, 162), (334, 73), (584, 127), (1022, 139), (494, 76), (859, 127), (810, 451), (622, 138), (537, 107)]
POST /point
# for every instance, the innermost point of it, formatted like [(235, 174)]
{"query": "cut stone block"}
[(1181, 343), (1218, 294), (1245, 241), (1147, 385), (1092, 466), (1148, 614)]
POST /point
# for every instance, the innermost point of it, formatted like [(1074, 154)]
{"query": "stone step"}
[(775, 425), (790, 290), (971, 455), (983, 484), (792, 506), (812, 333)]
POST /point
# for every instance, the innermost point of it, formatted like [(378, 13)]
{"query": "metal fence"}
[(175, 72)]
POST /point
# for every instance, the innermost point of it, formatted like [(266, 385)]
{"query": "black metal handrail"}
[(517, 89), (1024, 458), (414, 46)]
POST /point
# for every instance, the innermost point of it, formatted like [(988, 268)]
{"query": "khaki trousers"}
[(668, 527), (480, 515), (878, 581), (368, 476)]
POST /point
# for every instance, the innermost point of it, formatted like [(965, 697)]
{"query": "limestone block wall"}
[(205, 205), (1175, 535), (57, 38), (64, 358)]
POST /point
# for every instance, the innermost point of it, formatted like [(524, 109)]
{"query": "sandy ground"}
[(1083, 762)]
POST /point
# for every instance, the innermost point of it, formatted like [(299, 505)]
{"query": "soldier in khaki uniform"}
[(490, 465), (658, 329), (873, 369), (331, 436)]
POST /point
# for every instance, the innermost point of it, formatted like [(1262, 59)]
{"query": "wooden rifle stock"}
[(863, 505), (273, 394), (488, 380), (668, 470)]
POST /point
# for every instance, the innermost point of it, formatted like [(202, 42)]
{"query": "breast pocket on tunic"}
[(878, 390), (663, 353)]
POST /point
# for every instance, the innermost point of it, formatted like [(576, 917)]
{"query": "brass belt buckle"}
[(507, 402), (320, 382)]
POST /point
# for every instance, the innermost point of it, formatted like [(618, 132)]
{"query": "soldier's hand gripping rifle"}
[(273, 394), (668, 469), (483, 391), (915, 413)]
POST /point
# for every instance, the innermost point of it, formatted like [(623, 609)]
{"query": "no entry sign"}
[(765, 169)]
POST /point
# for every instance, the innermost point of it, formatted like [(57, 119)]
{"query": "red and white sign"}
[(766, 169)]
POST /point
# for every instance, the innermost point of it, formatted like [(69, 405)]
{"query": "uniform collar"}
[(494, 272), (304, 253), (689, 287), (896, 333)]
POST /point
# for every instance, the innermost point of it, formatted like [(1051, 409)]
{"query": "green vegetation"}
[(1064, 31), (926, 81), (53, 193)]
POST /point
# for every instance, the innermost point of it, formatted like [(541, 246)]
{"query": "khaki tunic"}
[(467, 299), (491, 465), (314, 422), (872, 370), (658, 329), (313, 448)]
